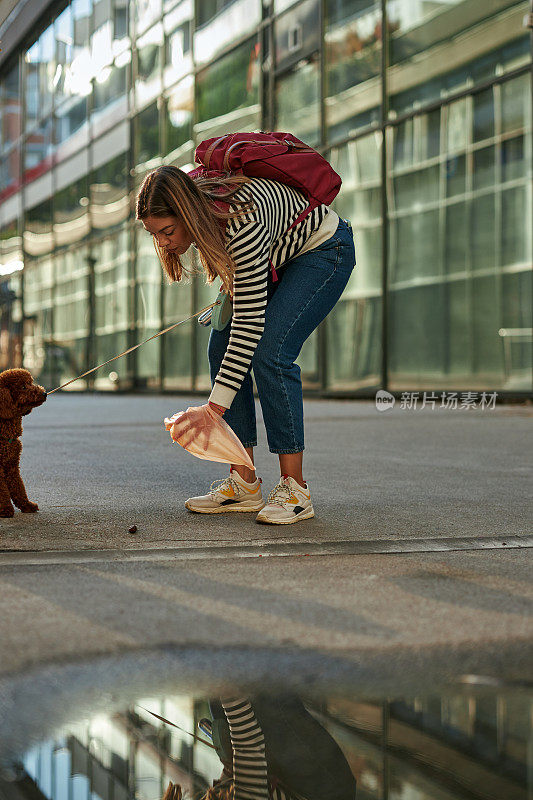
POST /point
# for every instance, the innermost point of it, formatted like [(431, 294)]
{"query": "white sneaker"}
[(232, 494), (288, 502)]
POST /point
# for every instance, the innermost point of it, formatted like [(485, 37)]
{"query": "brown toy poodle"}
[(18, 396)]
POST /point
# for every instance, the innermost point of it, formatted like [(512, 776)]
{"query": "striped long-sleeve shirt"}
[(255, 239), (249, 759)]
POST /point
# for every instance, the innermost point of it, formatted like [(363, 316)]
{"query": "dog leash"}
[(216, 303)]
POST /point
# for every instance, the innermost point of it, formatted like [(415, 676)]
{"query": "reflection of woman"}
[(271, 319), (274, 749)]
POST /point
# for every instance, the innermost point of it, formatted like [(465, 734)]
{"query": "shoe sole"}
[(302, 515), (224, 509)]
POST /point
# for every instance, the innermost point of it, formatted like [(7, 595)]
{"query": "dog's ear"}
[(7, 406)]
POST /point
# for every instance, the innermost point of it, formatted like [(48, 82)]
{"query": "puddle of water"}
[(473, 742)]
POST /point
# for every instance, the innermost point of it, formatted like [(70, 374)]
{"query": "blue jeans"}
[(308, 287)]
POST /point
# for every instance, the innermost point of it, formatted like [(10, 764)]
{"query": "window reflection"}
[(297, 33), (108, 194), (459, 213), (179, 115), (178, 45), (227, 93), (9, 173), (448, 747), (423, 63), (298, 102), (353, 63), (71, 213), (10, 109), (38, 151), (353, 340), (146, 137), (145, 13), (221, 23), (149, 55)]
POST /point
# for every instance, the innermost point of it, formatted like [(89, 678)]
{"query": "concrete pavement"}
[(98, 464)]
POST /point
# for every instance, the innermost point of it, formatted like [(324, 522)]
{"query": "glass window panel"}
[(179, 114), (64, 37), (227, 92), (416, 187), (484, 167), (298, 102), (416, 27), (457, 332), (514, 232), (108, 193), (71, 313), (38, 237), (414, 254), (516, 103), (38, 335), (227, 22), (38, 151), (111, 287), (416, 335), (80, 71), (486, 324), (456, 125), (430, 134), (149, 62), (353, 338), (177, 344), (121, 38), (101, 43), (517, 352), (483, 232), (31, 84), (296, 33), (352, 65), (483, 105), (145, 12), (403, 144), (146, 126), (10, 108), (514, 161), (71, 213), (456, 237), (71, 126), (455, 175), (9, 174), (47, 69), (110, 86), (178, 45)]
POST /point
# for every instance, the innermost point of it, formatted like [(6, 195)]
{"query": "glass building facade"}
[(422, 106)]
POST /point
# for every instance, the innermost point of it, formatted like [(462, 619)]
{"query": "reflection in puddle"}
[(458, 746)]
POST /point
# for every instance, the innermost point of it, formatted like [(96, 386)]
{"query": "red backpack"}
[(278, 156)]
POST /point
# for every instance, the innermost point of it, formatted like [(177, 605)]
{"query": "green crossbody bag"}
[(218, 316)]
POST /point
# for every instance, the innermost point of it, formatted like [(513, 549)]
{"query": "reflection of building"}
[(454, 747), (431, 134)]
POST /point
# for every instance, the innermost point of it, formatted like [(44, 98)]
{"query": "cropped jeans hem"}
[(287, 452)]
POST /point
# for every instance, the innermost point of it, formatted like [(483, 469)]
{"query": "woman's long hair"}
[(168, 191)]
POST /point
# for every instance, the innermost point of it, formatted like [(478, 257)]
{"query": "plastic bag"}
[(204, 434)]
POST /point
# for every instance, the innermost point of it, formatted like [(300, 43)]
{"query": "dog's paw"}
[(29, 507), (7, 511)]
